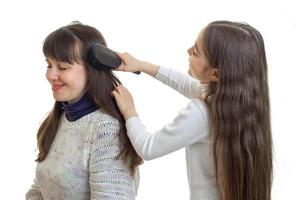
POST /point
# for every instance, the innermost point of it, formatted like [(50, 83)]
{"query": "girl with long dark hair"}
[(226, 126)]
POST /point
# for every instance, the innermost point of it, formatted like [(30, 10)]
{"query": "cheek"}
[(196, 66), (81, 80), (83, 83), (75, 78), (193, 66)]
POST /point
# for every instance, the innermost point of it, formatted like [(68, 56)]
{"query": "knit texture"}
[(83, 163)]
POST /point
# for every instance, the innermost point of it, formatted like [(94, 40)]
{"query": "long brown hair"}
[(239, 110), (70, 44)]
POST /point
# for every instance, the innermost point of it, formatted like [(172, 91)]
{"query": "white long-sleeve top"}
[(189, 129)]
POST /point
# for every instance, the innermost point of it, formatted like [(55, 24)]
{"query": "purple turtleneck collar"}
[(74, 111)]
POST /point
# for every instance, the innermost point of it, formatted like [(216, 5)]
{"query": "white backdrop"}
[(158, 31)]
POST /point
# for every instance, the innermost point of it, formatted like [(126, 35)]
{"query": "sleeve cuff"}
[(132, 121), (162, 74)]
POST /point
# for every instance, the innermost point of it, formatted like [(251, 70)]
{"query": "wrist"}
[(143, 66), (130, 113), (149, 68)]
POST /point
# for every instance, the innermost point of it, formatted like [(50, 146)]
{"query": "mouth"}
[(56, 88)]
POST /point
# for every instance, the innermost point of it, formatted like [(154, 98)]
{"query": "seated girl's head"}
[(68, 71)]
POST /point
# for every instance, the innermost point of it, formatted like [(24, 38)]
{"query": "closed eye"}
[(196, 50), (62, 68)]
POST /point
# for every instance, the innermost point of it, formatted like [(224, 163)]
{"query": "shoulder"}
[(103, 126), (100, 119), (194, 115), (99, 115), (197, 107)]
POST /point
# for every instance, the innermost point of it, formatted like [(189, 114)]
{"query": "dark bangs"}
[(62, 45)]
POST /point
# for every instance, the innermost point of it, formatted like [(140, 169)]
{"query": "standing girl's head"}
[(71, 76), (231, 57)]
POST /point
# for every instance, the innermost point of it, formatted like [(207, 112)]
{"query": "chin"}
[(59, 98), (191, 74)]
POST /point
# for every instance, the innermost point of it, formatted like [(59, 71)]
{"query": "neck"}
[(80, 108)]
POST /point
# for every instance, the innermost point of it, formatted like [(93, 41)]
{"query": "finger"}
[(114, 93), (117, 97), (121, 67), (124, 89), (119, 89), (118, 68), (120, 55), (126, 54)]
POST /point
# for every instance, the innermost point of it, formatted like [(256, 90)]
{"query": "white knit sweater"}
[(82, 163)]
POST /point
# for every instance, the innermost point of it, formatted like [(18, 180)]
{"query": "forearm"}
[(188, 127), (149, 68), (184, 84)]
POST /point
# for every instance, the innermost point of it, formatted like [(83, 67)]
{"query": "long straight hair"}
[(70, 44), (239, 110)]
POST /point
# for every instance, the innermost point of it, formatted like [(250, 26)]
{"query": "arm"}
[(34, 193), (131, 64), (190, 126), (109, 176), (186, 85)]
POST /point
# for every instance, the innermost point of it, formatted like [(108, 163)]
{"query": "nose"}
[(52, 74), (190, 51)]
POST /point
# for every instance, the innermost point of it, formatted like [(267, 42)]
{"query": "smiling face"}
[(68, 81)]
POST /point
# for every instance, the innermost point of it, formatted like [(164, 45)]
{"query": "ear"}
[(213, 75)]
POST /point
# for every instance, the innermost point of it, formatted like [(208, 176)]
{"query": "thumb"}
[(121, 67), (115, 94), (120, 55)]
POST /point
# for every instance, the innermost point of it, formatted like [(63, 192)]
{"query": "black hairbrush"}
[(102, 58)]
